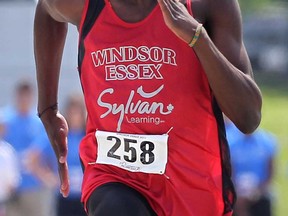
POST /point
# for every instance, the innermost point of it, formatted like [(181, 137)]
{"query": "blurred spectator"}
[(21, 129), (75, 115), (252, 158), (9, 169)]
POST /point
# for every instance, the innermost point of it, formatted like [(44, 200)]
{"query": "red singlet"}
[(140, 78)]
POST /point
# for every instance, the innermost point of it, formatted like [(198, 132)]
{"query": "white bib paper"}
[(133, 152)]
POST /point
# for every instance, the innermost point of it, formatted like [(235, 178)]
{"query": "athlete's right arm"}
[(50, 29)]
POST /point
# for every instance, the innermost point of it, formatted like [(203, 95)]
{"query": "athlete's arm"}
[(223, 57), (227, 65), (50, 29)]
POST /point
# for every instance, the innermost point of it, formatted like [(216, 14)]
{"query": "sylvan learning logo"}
[(145, 109)]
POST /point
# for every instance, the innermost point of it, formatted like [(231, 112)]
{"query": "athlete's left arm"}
[(223, 57)]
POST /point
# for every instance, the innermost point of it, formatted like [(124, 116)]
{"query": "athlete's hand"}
[(178, 19), (57, 130)]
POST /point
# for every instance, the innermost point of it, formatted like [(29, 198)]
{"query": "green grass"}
[(275, 120)]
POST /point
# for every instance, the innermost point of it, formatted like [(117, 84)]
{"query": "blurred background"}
[(265, 30)]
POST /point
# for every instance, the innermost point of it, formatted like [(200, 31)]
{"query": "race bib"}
[(133, 152)]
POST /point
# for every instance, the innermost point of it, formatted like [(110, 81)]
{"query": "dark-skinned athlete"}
[(156, 77)]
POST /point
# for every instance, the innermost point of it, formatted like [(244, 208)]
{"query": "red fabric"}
[(189, 7), (156, 59)]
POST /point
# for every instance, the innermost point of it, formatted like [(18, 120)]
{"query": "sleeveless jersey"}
[(140, 78)]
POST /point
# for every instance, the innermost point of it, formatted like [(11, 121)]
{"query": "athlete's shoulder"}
[(223, 8), (64, 10), (212, 8)]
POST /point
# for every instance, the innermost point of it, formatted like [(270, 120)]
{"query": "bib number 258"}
[(146, 156), (136, 153)]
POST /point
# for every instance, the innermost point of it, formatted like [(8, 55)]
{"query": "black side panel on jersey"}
[(229, 194), (94, 9)]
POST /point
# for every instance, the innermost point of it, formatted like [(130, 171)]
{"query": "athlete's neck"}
[(133, 10), (142, 3)]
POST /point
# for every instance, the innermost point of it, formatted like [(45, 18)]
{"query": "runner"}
[(153, 78)]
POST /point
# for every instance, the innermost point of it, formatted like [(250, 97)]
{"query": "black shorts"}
[(70, 207), (117, 199)]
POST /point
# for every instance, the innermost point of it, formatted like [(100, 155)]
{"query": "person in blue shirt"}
[(22, 126), (75, 114), (252, 158)]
